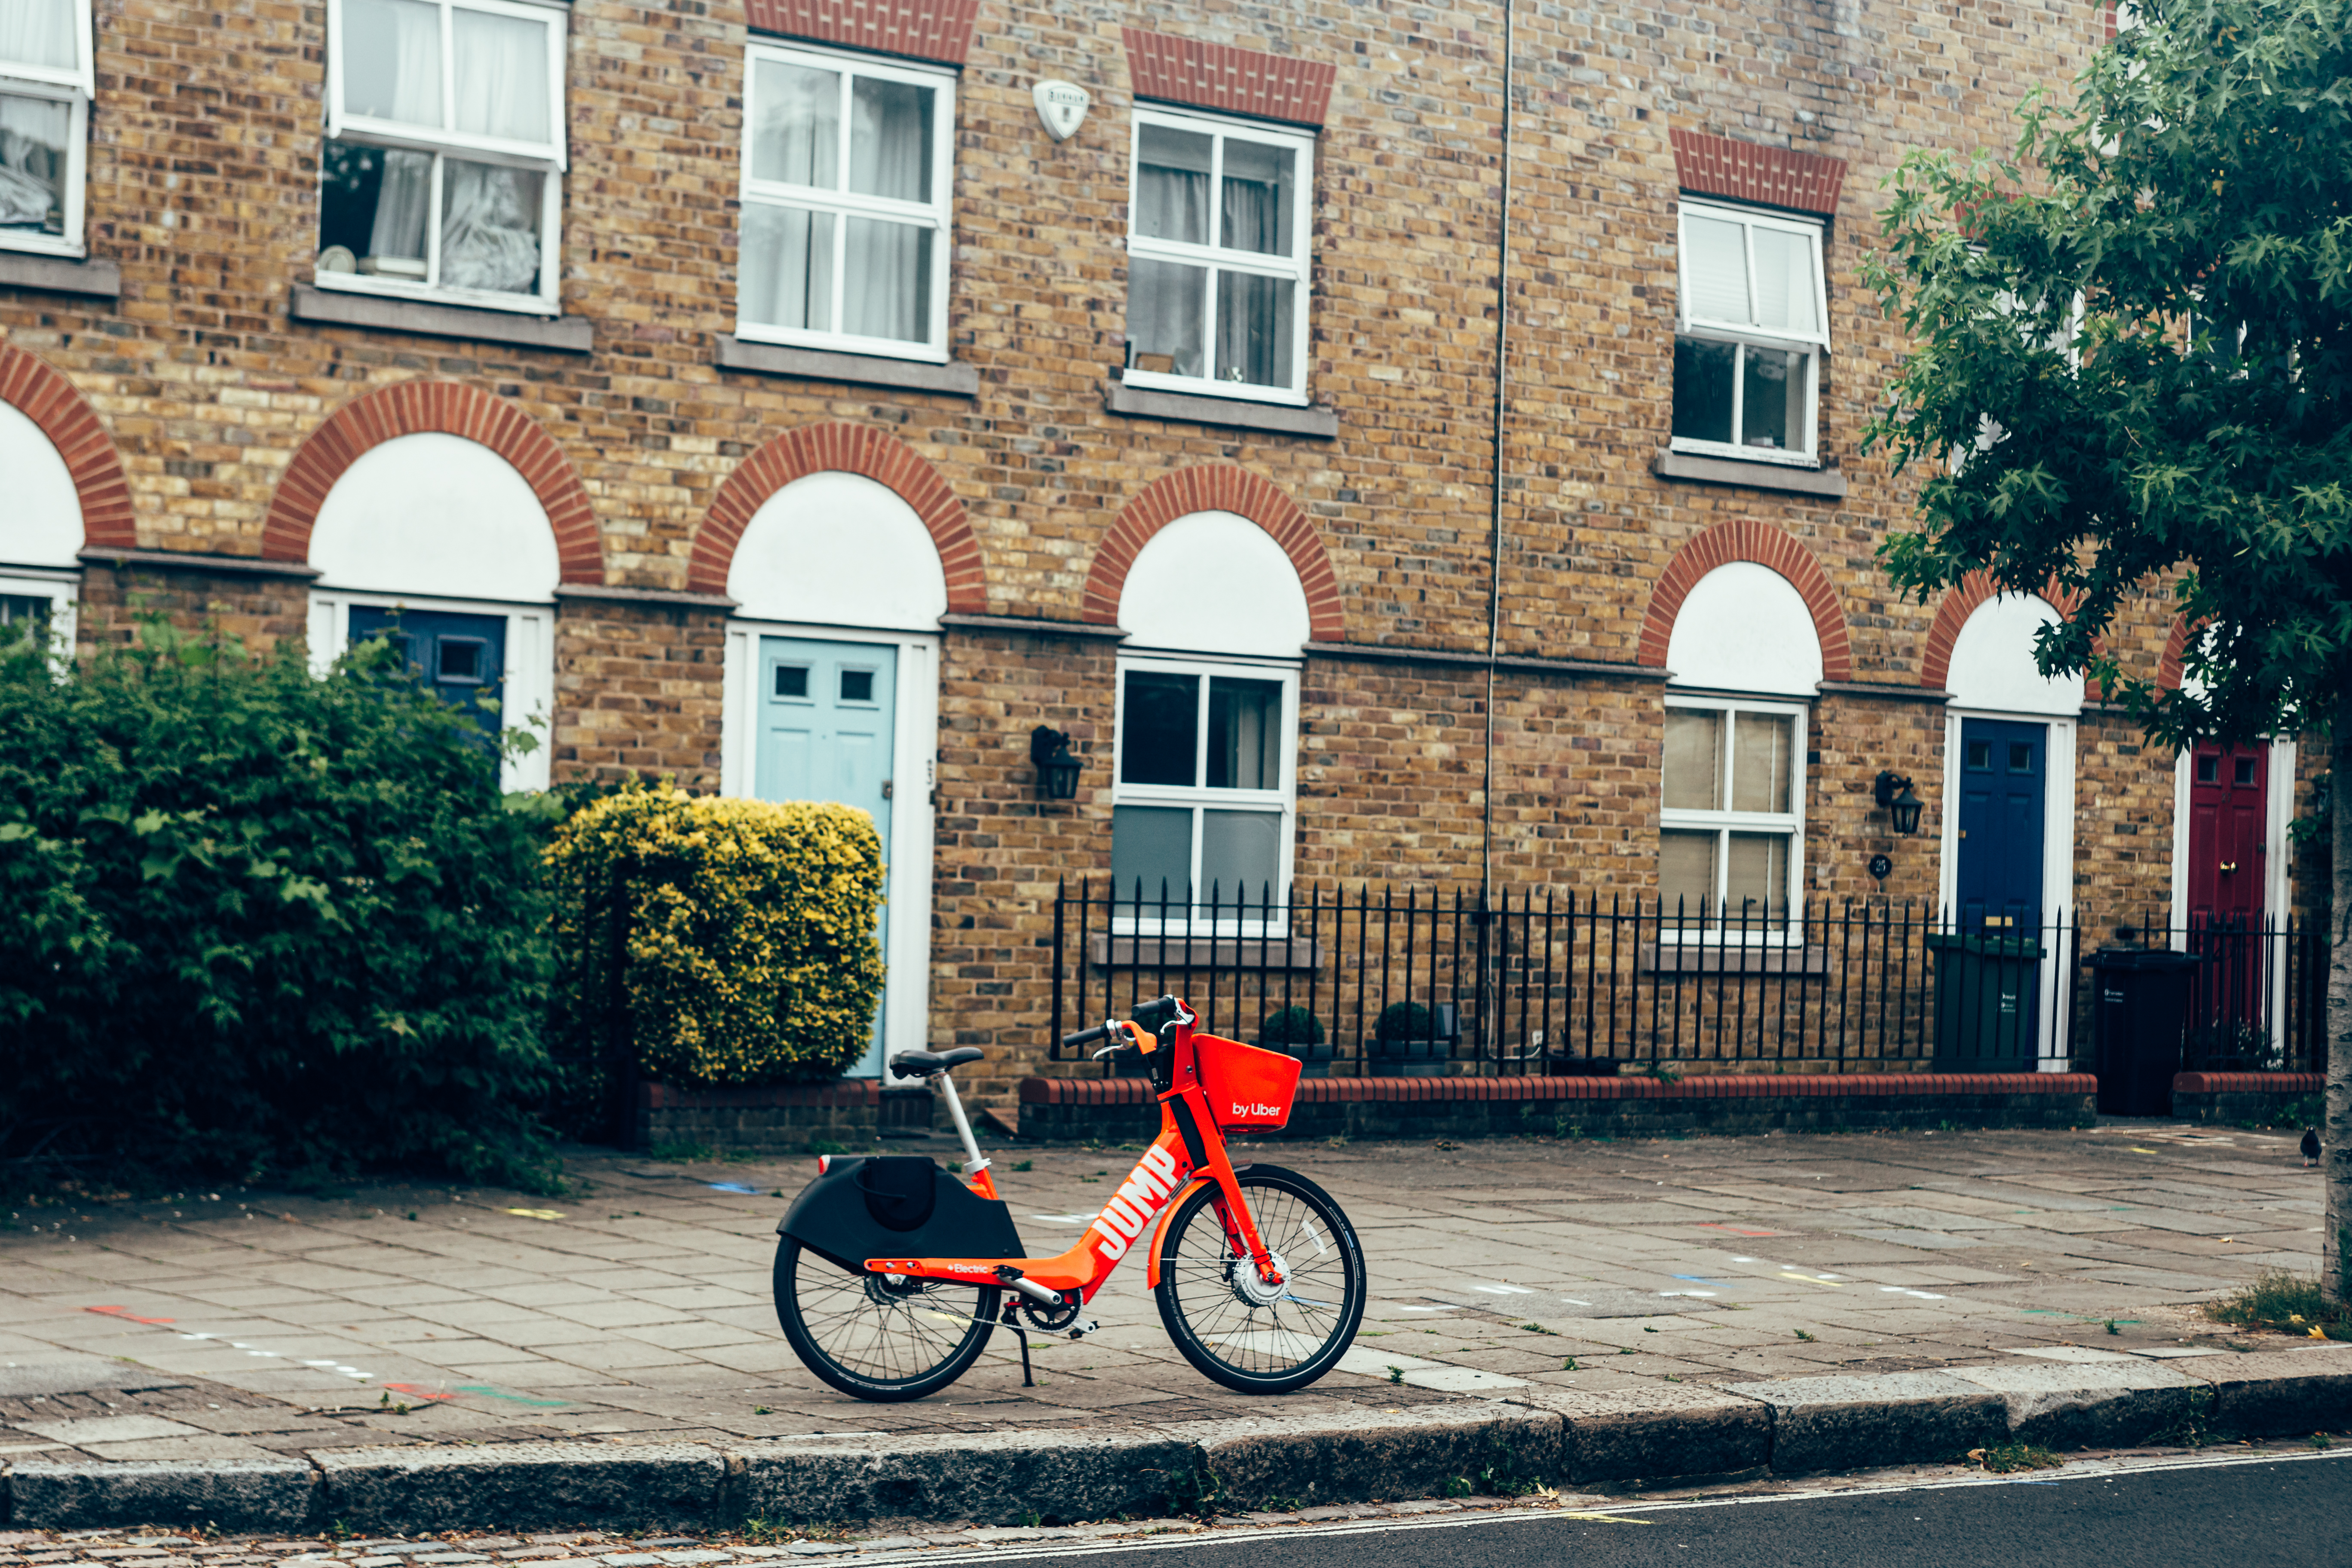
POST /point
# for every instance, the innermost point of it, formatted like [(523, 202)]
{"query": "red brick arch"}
[(1744, 539), (442, 408), (844, 449), (1960, 604), (1216, 487), (2176, 653), (38, 391)]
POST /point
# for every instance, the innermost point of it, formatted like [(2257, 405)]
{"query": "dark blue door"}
[(2004, 769), (461, 658)]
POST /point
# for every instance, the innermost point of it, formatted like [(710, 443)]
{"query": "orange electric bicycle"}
[(891, 1274)]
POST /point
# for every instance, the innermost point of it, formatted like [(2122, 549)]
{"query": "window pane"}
[(1773, 394), (1172, 184), (1693, 763), (1241, 854), (1256, 212), (1758, 880), (1243, 740), (1153, 843), (787, 268), (1160, 728), (391, 52), (372, 205), (887, 278), (1715, 271), (890, 139), (1253, 329), (1760, 761), (1703, 374), (1784, 281), (796, 127), (1686, 872), (33, 160), (1165, 306), (23, 615), (489, 228), (501, 67), (39, 33)]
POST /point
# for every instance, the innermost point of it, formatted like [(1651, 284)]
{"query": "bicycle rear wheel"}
[(1233, 1329), (882, 1337)]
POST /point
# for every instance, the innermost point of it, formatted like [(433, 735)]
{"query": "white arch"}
[(1992, 661), (1745, 627), (436, 515), (40, 525), (840, 550), (1214, 582)]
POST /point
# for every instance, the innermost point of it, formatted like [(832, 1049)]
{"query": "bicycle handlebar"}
[(1086, 1037), (1151, 1014)]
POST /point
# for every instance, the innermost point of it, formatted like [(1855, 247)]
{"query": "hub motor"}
[(1251, 1291)]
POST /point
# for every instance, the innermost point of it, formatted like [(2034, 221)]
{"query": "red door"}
[(2229, 797)]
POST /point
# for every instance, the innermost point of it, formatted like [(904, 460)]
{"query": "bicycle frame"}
[(1189, 1154)]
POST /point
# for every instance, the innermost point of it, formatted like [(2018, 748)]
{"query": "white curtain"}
[(39, 33), (489, 228), (786, 267), (795, 125), (501, 65), (391, 55), (1172, 186), (1253, 329), (1715, 271), (33, 161), (403, 200), (886, 268), (1784, 281), (1257, 178)]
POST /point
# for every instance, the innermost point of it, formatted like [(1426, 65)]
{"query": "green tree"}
[(2134, 334)]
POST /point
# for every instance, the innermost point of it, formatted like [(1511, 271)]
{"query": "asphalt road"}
[(2244, 1515)]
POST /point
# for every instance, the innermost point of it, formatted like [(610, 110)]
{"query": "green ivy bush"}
[(716, 941), (257, 923)]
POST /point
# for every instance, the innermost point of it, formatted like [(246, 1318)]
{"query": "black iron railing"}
[(1385, 979)]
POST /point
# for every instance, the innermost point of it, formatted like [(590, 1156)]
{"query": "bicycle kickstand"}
[(1011, 1320)]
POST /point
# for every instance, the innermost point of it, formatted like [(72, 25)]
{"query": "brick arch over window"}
[(442, 408), (844, 450), (38, 391), (2176, 653), (1953, 614), (1216, 487), (1761, 544)]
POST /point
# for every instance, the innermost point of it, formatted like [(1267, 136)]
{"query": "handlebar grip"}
[(1151, 1014), (1086, 1037)]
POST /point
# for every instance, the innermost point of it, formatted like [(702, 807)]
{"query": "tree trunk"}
[(2335, 1127)]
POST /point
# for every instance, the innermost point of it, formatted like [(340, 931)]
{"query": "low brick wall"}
[(776, 1118), (2233, 1099), (1125, 1109)]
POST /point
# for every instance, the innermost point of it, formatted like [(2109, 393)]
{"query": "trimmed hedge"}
[(736, 938), (254, 922)]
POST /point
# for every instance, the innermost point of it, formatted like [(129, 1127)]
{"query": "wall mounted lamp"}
[(1894, 792), (1057, 770)]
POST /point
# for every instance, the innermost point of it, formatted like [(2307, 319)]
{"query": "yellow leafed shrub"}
[(735, 939)]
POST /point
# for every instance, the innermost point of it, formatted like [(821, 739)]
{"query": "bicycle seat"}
[(918, 1064)]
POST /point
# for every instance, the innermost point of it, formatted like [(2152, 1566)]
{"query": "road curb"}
[(1536, 1434)]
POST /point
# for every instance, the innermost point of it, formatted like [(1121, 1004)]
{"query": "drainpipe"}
[(1494, 542)]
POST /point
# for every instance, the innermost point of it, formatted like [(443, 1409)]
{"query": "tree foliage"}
[(2134, 333), (254, 922)]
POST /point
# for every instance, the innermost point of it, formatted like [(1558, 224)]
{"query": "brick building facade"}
[(679, 357)]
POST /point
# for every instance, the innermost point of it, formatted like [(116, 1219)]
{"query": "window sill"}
[(60, 275), (1705, 955), (566, 334), (1176, 951), (953, 379), (1753, 476), (1236, 413)]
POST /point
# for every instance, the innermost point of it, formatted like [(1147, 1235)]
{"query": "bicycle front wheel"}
[(883, 1337), (1231, 1325)]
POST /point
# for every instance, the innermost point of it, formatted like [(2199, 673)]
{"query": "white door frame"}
[(527, 697), (2278, 810), (2057, 851), (914, 770)]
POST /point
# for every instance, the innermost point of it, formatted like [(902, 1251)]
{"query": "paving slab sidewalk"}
[(248, 1327)]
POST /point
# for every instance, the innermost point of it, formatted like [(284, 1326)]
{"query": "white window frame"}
[(1814, 346), (528, 679), (1201, 797), (1720, 927), (60, 589), (1297, 267), (549, 158), (843, 204), (74, 87)]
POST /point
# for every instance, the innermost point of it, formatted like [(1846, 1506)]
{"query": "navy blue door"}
[(461, 658), (2004, 769)]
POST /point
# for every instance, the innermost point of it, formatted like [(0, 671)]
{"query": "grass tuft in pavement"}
[(2289, 1303), (2011, 1457)]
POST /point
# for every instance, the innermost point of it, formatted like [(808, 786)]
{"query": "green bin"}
[(1985, 1002)]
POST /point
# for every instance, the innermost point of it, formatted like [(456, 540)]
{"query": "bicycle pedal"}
[(1080, 1330)]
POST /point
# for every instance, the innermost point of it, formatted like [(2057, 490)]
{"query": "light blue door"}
[(826, 728)]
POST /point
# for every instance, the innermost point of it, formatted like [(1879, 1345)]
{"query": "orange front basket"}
[(1246, 1086)]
